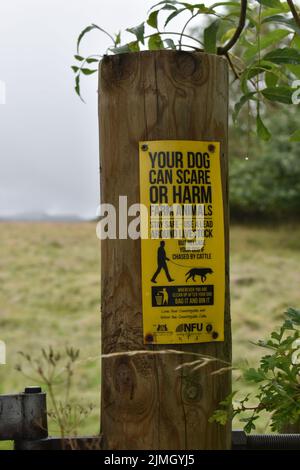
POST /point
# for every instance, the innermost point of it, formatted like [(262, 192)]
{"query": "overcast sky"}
[(48, 137)]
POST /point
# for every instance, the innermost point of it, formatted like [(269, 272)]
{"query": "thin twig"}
[(185, 26), (294, 12), (223, 50), (232, 66)]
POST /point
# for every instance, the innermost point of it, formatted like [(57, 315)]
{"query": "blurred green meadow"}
[(50, 295)]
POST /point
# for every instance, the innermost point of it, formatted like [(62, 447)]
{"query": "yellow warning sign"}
[(183, 258)]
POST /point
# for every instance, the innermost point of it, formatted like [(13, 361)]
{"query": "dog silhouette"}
[(202, 272)]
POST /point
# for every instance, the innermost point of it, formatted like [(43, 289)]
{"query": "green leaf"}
[(88, 29), (281, 19), (229, 4), (173, 15), (79, 57), (254, 375), (286, 55), (250, 426), (210, 37), (271, 79), (75, 68), (138, 31), (169, 7), (88, 71), (238, 106), (118, 39), (267, 40), (295, 69), (262, 131), (219, 416), (83, 33), (120, 49), (170, 43), (134, 46), (91, 60), (294, 315), (153, 19), (270, 3), (155, 43), (295, 42), (295, 137), (77, 87), (280, 94)]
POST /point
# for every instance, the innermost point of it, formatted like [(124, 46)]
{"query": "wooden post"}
[(146, 403)]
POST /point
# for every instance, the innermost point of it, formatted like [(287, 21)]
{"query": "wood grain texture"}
[(146, 403)]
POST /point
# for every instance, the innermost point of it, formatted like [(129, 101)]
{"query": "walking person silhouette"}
[(162, 263)]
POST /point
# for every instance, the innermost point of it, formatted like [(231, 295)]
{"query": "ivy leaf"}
[(153, 19), (280, 94), (88, 71), (286, 55), (139, 32), (210, 37), (295, 137), (155, 43), (262, 131)]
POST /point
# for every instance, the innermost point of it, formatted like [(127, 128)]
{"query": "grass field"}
[(50, 290)]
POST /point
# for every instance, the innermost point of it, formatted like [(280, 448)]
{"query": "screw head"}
[(33, 389), (144, 147), (209, 328), (149, 338), (211, 148), (215, 335)]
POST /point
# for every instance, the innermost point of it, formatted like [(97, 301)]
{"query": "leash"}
[(181, 265)]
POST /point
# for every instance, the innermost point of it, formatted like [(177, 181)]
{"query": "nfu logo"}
[(2, 352), (189, 327), (2, 92)]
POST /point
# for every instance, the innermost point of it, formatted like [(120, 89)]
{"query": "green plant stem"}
[(294, 12), (172, 33), (238, 31), (184, 28)]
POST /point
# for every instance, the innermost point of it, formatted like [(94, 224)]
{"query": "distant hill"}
[(41, 217)]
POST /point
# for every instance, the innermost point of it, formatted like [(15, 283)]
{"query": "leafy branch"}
[(277, 378), (259, 38), (294, 11)]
